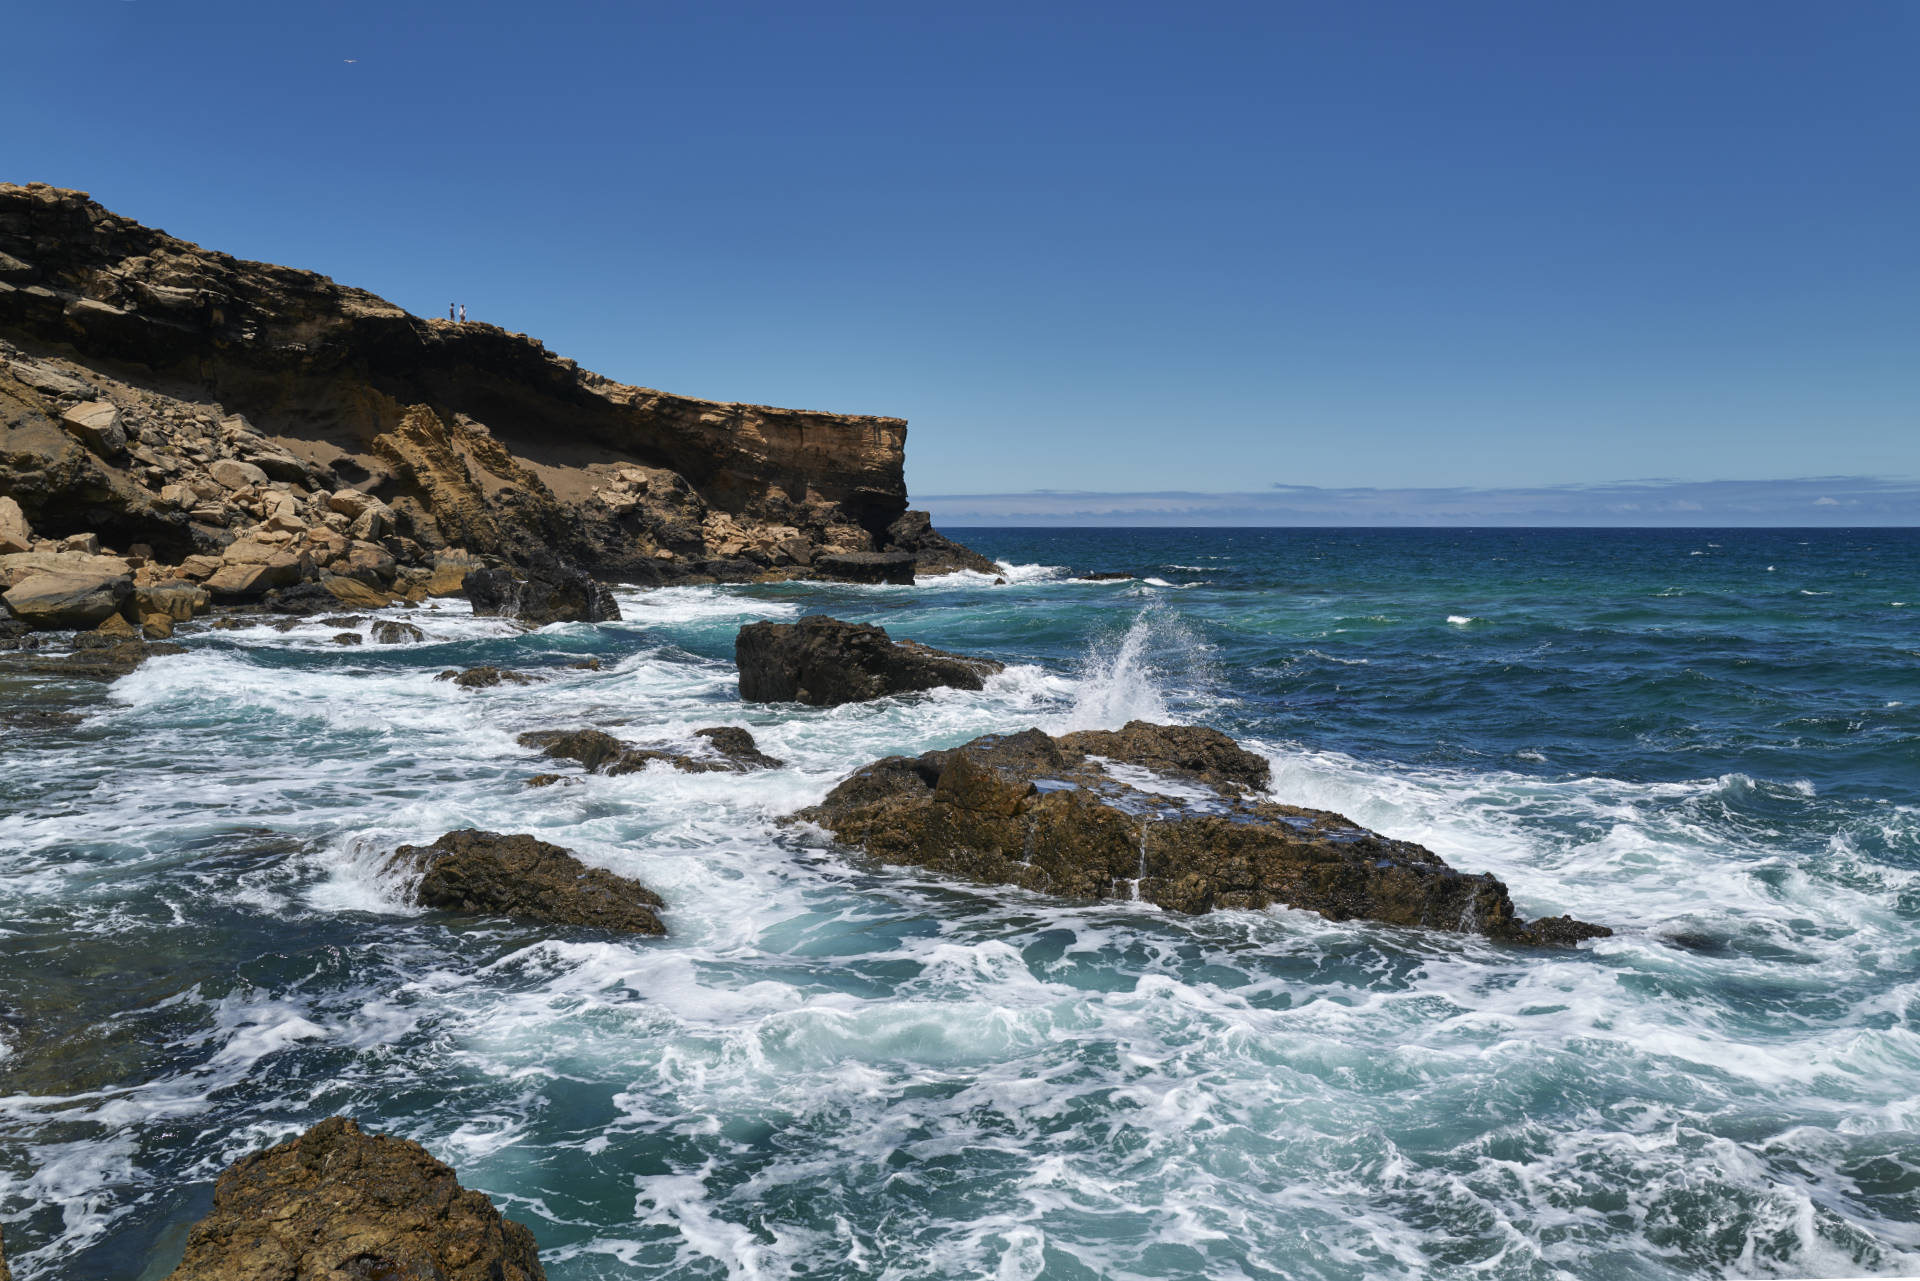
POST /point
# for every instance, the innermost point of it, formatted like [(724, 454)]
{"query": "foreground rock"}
[(521, 876), (337, 1203), (733, 751), (1166, 814), (824, 662), (58, 600)]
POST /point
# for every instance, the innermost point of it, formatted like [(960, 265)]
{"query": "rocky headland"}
[(171, 416)]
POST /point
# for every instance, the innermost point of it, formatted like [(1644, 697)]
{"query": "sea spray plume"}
[(1131, 675)]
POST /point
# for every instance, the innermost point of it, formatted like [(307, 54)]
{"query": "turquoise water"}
[(1709, 740)]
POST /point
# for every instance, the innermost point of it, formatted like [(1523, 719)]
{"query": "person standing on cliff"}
[(463, 313), (449, 312)]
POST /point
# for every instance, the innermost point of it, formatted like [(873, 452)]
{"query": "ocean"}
[(1706, 739)]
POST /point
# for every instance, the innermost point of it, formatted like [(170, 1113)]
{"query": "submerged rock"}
[(735, 752), (825, 662), (484, 677), (522, 876), (337, 1203), (390, 631), (1167, 814)]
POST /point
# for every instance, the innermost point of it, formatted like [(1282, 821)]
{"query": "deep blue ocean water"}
[(1709, 740)]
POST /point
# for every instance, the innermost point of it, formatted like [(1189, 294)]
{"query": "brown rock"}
[(392, 632), (1055, 815), (15, 534), (486, 872), (484, 677), (340, 1205), (232, 474), (734, 751), (96, 424), (60, 600), (353, 592)]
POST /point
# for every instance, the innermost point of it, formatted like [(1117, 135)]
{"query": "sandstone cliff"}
[(154, 393)]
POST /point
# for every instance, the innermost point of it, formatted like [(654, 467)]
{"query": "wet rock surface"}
[(825, 662), (478, 872), (547, 594), (1170, 815), (733, 751), (485, 677), (339, 1204)]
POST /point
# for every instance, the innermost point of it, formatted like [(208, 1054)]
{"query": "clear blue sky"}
[(1095, 247)]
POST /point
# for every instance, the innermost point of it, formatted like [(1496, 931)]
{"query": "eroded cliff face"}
[(133, 364)]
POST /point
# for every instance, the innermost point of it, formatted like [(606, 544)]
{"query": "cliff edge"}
[(163, 396)]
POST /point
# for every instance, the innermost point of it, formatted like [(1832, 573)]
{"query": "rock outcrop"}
[(521, 876), (729, 750), (158, 394), (824, 662), (546, 593), (1170, 815), (337, 1203)]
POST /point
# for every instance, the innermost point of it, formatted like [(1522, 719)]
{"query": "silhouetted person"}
[(449, 311), (463, 313)]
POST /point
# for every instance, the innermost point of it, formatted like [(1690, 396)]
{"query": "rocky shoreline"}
[(188, 441)]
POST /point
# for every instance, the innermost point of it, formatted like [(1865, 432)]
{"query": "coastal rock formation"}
[(337, 1203), (733, 751), (161, 395), (520, 876), (824, 662), (484, 677), (1169, 815), (547, 593)]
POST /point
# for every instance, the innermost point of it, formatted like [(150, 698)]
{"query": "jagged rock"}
[(97, 426), (393, 632), (348, 638), (602, 753), (15, 534), (59, 600), (865, 567), (1170, 815), (546, 594), (486, 872), (824, 662), (177, 601), (236, 475), (933, 552), (248, 579), (484, 677), (346, 1206)]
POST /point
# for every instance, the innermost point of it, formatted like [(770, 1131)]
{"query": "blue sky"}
[(1117, 248)]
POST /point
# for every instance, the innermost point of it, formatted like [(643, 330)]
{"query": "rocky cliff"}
[(158, 394)]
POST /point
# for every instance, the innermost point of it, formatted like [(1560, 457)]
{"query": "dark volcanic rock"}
[(336, 1203), (735, 751), (95, 657), (1076, 816), (549, 593), (486, 872), (825, 662), (866, 567), (933, 552), (484, 677), (390, 631)]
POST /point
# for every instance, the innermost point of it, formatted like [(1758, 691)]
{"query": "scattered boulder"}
[(347, 638), (15, 534), (598, 752), (96, 424), (484, 677), (235, 475), (354, 593), (176, 600), (551, 593), (338, 1203), (825, 662), (1169, 815), (60, 600), (865, 567), (487, 872), (390, 631)]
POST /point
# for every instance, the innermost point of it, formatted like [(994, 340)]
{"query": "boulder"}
[(737, 745), (232, 474), (484, 677), (549, 593), (865, 567), (177, 601), (351, 591), (486, 872), (824, 662), (390, 631), (59, 600), (1170, 815), (251, 578), (15, 534), (96, 424), (338, 1203)]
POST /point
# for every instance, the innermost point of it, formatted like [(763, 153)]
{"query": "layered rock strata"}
[(521, 876), (1170, 815), (160, 396), (338, 1203), (825, 662)]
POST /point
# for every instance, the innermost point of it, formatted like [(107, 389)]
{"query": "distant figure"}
[(449, 311), (463, 313)]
